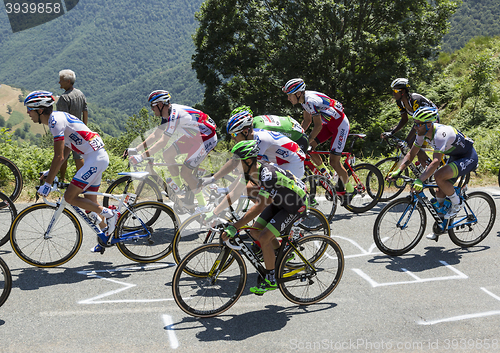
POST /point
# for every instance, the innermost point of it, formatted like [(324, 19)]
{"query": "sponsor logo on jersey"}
[(265, 174), (77, 139), (465, 164), (282, 153), (89, 173), (52, 122)]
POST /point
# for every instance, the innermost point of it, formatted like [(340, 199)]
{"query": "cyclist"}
[(445, 140), (198, 139), (283, 124), (71, 134), (281, 201), (329, 121), (273, 147), (408, 103)]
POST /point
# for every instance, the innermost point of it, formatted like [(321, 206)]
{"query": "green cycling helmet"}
[(241, 109), (245, 149), (426, 114)]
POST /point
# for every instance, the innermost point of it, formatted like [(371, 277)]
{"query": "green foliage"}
[(15, 118), (120, 50), (349, 50), (473, 18)]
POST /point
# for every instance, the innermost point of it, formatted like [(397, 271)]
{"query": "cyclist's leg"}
[(201, 145), (169, 157), (339, 131), (303, 143), (323, 136)]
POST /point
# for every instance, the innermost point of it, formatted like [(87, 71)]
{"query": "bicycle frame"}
[(442, 223), (123, 199)]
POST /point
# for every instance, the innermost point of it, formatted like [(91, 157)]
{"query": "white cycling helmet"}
[(239, 121), (400, 83), (159, 96), (294, 85), (39, 99)]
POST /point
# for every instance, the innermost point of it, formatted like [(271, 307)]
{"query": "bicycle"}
[(367, 179), (212, 277), (5, 282), (195, 232), (154, 187), (396, 232), (390, 164), (49, 234), (11, 180), (7, 215)]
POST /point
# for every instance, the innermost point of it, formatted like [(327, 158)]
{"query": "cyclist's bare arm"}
[(230, 198), (226, 168), (307, 120), (402, 122), (409, 157), (431, 168), (254, 211), (316, 128), (61, 153), (154, 136)]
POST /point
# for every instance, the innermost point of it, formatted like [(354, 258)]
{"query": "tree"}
[(350, 50), (9, 109)]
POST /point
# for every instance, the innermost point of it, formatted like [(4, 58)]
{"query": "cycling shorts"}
[(338, 131), (197, 148), (463, 164), (276, 218), (303, 143), (88, 177)]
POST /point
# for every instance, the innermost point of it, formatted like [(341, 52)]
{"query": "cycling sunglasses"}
[(396, 90), (234, 134), (31, 109), (418, 124)]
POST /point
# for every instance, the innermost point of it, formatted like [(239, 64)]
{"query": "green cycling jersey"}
[(283, 124)]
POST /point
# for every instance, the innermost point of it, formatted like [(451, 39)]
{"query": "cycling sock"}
[(454, 199), (177, 180), (349, 188), (440, 200), (270, 276), (200, 199), (340, 185)]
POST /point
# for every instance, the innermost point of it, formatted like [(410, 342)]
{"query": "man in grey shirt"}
[(72, 101)]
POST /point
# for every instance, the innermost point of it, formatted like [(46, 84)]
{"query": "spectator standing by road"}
[(72, 101)]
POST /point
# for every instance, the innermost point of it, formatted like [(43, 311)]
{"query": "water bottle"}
[(173, 185), (295, 233), (435, 204), (95, 218)]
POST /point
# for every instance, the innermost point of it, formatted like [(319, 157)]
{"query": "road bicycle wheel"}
[(474, 221), (158, 244), (368, 185), (11, 180), (321, 193), (5, 281), (392, 189), (399, 226), (146, 190), (32, 245), (209, 294), (312, 281), (193, 233), (7, 215)]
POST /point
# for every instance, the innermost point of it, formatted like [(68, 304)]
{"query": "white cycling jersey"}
[(319, 103), (192, 121), (276, 148), (74, 132)]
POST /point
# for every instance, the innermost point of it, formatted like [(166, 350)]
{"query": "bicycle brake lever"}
[(234, 247)]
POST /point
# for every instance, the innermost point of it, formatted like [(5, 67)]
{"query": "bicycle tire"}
[(146, 190), (300, 284), (192, 233), (321, 194), (482, 206), (368, 187), (7, 215), (159, 244), (11, 180), (391, 188), (29, 243), (392, 239), (5, 282), (203, 296), (315, 216)]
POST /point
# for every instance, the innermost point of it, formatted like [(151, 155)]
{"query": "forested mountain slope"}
[(473, 18), (120, 50)]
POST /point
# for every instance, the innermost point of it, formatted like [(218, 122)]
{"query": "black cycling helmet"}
[(245, 150)]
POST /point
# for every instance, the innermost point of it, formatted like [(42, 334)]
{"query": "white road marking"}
[(467, 316), (126, 286), (169, 326), (417, 279)]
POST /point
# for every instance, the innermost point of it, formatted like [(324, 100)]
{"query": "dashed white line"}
[(169, 326)]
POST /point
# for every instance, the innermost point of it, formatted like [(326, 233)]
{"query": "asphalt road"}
[(437, 298)]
